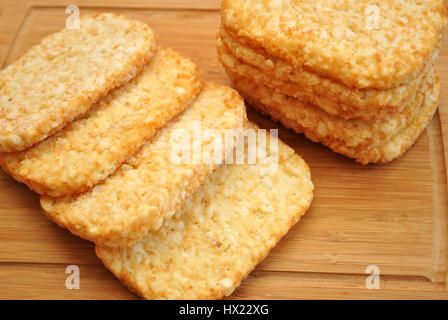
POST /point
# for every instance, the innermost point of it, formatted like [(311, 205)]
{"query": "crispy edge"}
[(129, 281), (44, 187), (237, 27), (134, 66), (386, 153), (332, 127), (117, 237), (331, 96)]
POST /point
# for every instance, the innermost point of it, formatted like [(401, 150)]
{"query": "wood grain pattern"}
[(393, 216)]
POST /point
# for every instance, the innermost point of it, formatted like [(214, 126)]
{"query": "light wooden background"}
[(393, 216)]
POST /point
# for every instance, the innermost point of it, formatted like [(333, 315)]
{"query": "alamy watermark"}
[(72, 21), (207, 146), (373, 280), (373, 17), (73, 280)]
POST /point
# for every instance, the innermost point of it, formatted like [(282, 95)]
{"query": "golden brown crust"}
[(150, 186), (59, 79), (338, 39), (88, 150), (331, 96), (355, 133), (220, 234), (391, 150)]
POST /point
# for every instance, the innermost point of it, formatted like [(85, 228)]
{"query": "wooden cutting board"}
[(394, 216)]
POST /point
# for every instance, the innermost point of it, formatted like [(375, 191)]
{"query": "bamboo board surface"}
[(392, 216)]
